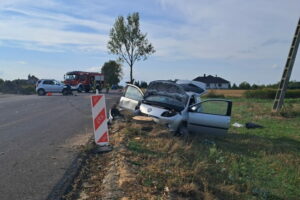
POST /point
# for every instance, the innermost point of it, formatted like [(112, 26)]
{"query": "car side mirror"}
[(193, 108)]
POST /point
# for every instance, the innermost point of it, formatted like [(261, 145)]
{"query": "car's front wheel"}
[(183, 132), (41, 92), (80, 89), (65, 92), (87, 89)]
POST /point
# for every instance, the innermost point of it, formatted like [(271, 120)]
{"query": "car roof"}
[(188, 87), (192, 87)]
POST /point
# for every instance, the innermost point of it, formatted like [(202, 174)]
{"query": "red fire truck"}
[(84, 81)]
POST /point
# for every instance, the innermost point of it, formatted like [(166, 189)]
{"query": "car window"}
[(198, 99), (192, 88), (133, 93), (165, 100), (192, 101), (48, 82), (82, 77), (56, 83), (213, 107), (70, 77)]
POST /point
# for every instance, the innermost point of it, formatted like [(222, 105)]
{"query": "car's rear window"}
[(192, 88)]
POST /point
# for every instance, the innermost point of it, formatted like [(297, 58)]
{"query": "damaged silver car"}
[(178, 105)]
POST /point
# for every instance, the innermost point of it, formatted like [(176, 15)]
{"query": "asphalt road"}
[(39, 139)]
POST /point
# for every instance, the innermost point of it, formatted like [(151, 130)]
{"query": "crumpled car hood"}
[(167, 88)]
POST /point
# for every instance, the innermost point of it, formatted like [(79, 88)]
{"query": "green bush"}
[(27, 89), (270, 94), (17, 87)]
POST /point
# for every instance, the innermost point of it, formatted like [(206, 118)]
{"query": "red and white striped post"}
[(100, 120)]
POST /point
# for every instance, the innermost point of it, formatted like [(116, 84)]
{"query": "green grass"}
[(266, 160), (140, 149), (259, 111), (245, 164)]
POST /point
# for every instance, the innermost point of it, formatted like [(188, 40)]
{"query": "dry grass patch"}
[(149, 163), (228, 93)]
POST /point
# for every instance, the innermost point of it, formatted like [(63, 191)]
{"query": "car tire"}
[(183, 132), (65, 92), (87, 89), (41, 92), (80, 89)]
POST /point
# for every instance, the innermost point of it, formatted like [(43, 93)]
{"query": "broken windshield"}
[(167, 93), (165, 101)]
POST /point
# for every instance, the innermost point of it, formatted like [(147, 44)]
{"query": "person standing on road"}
[(107, 88)]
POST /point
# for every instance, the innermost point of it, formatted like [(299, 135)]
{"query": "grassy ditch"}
[(245, 164), (150, 163)]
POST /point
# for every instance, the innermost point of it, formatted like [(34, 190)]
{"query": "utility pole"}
[(279, 98)]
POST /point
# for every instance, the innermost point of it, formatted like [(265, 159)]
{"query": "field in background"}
[(266, 93), (228, 93)]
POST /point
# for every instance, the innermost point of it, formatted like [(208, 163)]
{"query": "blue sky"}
[(239, 40)]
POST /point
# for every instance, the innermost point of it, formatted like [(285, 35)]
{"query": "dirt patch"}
[(77, 141)]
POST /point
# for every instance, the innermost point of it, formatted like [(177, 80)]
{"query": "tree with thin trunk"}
[(128, 42)]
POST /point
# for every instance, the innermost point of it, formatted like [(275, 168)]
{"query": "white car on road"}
[(44, 86), (178, 105)]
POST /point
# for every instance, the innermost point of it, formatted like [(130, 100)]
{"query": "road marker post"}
[(99, 114)]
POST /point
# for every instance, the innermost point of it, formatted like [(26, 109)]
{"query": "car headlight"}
[(169, 113)]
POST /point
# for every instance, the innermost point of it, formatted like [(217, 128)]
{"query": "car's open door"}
[(210, 117), (131, 98)]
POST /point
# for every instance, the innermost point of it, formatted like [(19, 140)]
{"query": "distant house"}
[(213, 82)]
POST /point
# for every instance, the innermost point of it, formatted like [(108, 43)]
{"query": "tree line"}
[(247, 86), (18, 86)]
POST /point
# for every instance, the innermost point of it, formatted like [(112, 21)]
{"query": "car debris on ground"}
[(251, 125), (237, 125)]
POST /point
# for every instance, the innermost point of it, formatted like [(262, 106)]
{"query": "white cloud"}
[(233, 34), (33, 3), (48, 31), (94, 69), (198, 29), (22, 62), (275, 66), (223, 29), (20, 31)]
